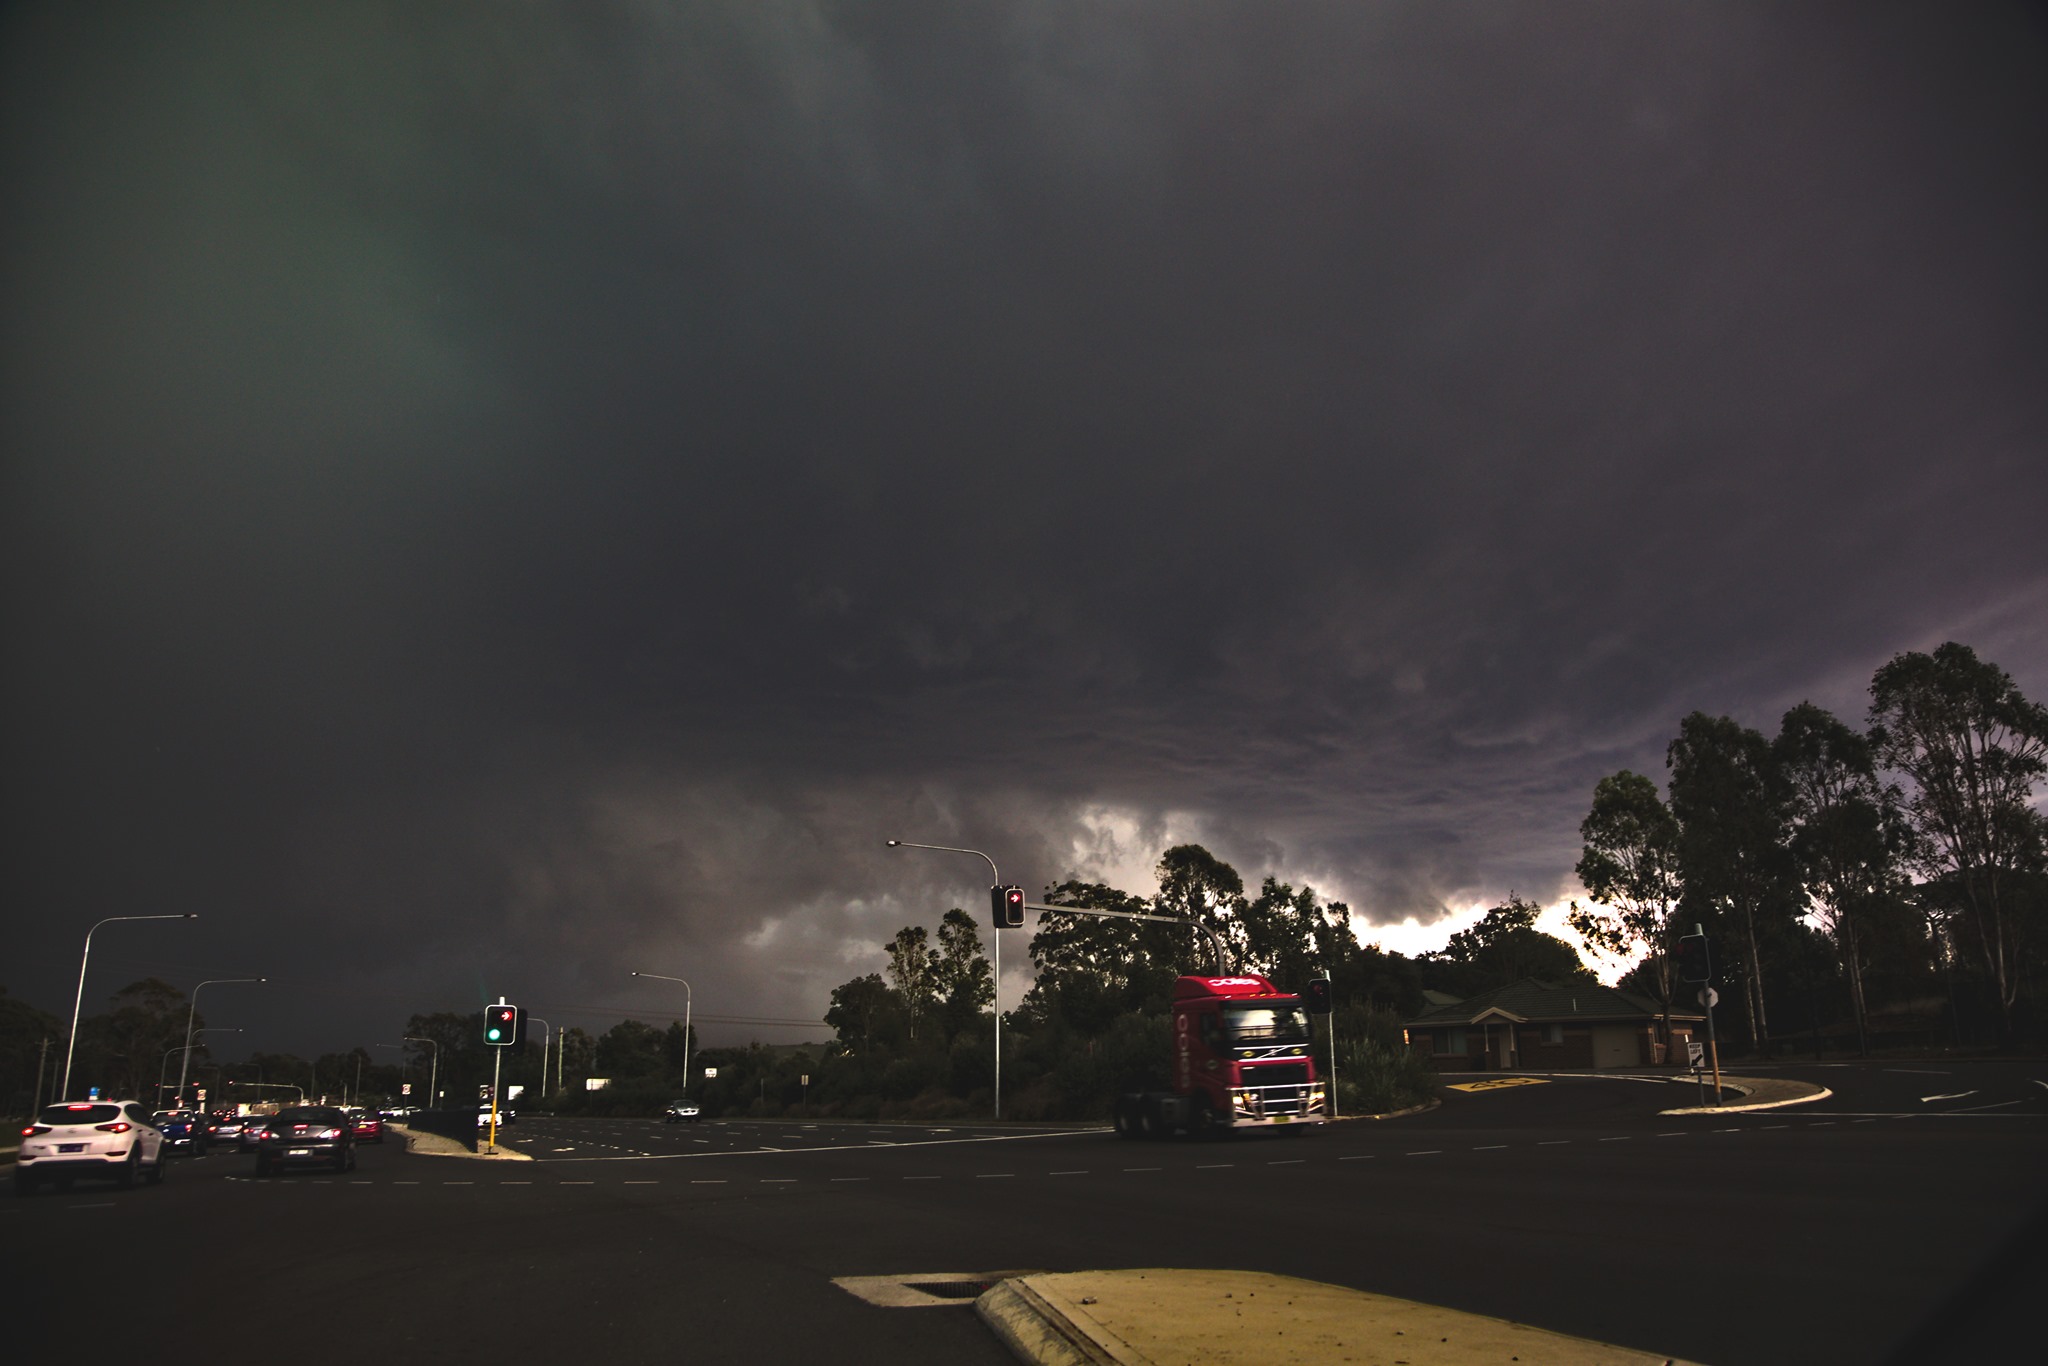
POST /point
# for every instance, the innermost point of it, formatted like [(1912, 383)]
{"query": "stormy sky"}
[(503, 495)]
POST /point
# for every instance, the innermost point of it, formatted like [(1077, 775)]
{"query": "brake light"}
[(32, 1130), (119, 1126)]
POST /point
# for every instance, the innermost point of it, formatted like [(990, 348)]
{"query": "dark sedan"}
[(306, 1136)]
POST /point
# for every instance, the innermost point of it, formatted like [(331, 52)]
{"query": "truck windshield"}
[(1266, 1022)]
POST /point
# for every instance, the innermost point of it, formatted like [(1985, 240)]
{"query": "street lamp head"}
[(191, 915), (894, 844)]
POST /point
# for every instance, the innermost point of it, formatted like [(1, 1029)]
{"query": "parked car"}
[(506, 1115), (90, 1138), (369, 1126), (227, 1128), (306, 1135), (682, 1112), (184, 1131)]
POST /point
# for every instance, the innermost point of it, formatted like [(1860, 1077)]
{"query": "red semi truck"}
[(1241, 1060)]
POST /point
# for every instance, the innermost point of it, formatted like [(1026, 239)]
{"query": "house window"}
[(1454, 1041), (1553, 1033)]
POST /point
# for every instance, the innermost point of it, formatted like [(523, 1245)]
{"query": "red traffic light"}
[(1007, 905), (504, 1026)]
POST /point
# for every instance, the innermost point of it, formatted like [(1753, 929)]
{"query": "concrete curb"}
[(1818, 1093), (434, 1145), (1165, 1316)]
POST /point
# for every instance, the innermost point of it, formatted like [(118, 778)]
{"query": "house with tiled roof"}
[(1538, 1026)]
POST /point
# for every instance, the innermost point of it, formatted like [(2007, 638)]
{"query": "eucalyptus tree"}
[(913, 971), (1629, 863), (1972, 748), (1845, 834), (963, 983), (1731, 806)]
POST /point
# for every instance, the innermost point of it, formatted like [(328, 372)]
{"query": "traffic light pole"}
[(995, 877)]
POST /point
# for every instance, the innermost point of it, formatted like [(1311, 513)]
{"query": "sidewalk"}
[(1248, 1318)]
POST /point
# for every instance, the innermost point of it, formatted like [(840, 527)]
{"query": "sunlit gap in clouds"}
[(1410, 937)]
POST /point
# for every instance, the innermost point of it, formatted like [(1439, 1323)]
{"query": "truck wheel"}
[(1125, 1120), (1155, 1125), (1202, 1123)]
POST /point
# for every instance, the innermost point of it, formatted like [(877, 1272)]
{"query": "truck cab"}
[(1241, 1059)]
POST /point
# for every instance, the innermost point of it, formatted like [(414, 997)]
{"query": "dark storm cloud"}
[(504, 497)]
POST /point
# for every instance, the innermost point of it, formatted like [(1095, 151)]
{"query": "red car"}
[(367, 1126)]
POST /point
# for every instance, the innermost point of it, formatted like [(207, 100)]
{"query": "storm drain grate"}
[(923, 1290)]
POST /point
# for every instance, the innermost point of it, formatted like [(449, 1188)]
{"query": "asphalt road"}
[(1826, 1232)]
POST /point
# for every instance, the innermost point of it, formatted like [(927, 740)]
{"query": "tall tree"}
[(1505, 946), (862, 1013), (1730, 802), (913, 971), (1197, 885), (963, 983), (1093, 969), (1629, 862), (1844, 836), (1972, 748)]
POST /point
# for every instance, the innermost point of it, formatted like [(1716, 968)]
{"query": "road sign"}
[(405, 1088), (1710, 998), (1695, 1054), (807, 1079), (710, 1072)]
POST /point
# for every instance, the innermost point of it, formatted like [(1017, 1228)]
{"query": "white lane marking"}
[(1676, 1133), (1141, 1169), (778, 1181), (643, 1183), (1553, 1143), (1359, 1157), (1287, 1162), (1618, 1138), (848, 1147), (992, 1176), (576, 1183), (1918, 1072), (405, 1183), (920, 1178), (1075, 1173), (719, 1181), (515, 1183), (1489, 1147), (849, 1178), (1996, 1105), (1777, 1126), (1427, 1152), (458, 1183), (97, 1204), (1213, 1166), (1954, 1095)]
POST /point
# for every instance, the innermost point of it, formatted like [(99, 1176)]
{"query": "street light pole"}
[(547, 1033), (191, 1009), (689, 999), (164, 1064), (65, 1092), (995, 880), (434, 1078)]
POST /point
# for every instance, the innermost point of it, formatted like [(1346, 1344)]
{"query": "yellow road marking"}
[(1496, 1083)]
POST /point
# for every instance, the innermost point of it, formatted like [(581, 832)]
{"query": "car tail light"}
[(119, 1126), (32, 1130)]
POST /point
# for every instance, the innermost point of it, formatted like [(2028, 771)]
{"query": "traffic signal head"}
[(504, 1026), (1317, 997), (1691, 959), (1007, 906)]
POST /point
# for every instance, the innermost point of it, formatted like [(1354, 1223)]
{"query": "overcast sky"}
[(500, 496)]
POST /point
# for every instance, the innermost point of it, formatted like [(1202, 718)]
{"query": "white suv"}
[(109, 1138)]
